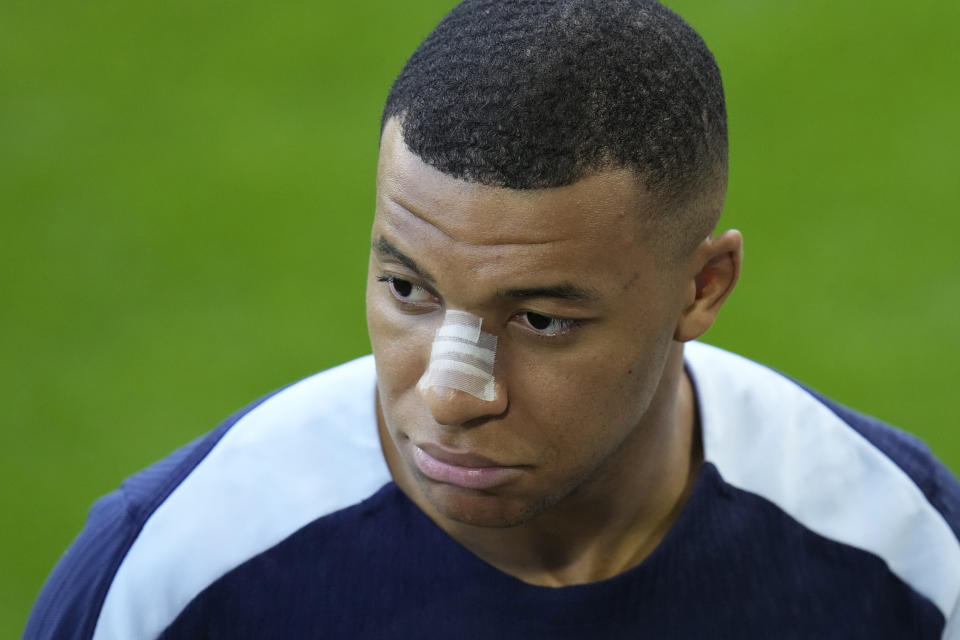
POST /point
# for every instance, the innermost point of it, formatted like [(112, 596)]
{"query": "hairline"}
[(676, 234)]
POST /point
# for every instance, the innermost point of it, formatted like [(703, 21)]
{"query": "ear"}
[(714, 271)]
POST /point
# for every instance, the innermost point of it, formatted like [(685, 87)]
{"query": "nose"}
[(453, 407)]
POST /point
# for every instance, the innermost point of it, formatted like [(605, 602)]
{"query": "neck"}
[(613, 520)]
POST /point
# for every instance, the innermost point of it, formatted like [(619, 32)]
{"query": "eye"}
[(406, 291), (548, 326)]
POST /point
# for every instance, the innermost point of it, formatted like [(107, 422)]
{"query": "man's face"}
[(583, 310)]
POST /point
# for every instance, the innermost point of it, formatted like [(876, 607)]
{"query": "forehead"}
[(603, 205)]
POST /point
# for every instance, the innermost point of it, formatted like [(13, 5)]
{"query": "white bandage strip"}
[(459, 331), (463, 356)]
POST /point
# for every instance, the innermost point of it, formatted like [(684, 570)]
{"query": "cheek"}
[(562, 402), (583, 401), (401, 348)]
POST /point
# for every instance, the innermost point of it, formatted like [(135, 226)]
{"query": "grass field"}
[(186, 189)]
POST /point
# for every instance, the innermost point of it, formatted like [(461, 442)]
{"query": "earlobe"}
[(716, 269)]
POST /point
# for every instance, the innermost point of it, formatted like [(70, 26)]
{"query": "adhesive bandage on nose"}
[(462, 356)]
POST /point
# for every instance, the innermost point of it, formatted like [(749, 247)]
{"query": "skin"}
[(593, 412)]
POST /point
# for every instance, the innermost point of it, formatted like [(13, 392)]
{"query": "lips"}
[(465, 470)]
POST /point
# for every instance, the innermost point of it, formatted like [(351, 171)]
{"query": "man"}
[(536, 449)]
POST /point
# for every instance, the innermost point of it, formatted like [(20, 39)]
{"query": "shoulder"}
[(148, 548), (842, 475)]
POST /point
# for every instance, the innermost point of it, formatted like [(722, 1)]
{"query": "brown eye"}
[(402, 288), (538, 321), (406, 291), (547, 326)]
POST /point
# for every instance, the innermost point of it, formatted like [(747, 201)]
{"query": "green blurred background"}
[(186, 188)]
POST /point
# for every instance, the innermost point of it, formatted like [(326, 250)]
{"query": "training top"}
[(807, 520)]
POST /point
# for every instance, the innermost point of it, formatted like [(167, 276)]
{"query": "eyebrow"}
[(385, 248), (561, 291)]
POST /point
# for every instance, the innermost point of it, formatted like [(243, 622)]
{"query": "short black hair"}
[(531, 94)]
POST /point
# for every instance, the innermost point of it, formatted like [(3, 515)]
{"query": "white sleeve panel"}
[(769, 436), (309, 450)]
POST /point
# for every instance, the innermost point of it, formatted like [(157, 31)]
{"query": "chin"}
[(482, 509)]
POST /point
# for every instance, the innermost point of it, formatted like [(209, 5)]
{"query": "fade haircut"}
[(528, 94)]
